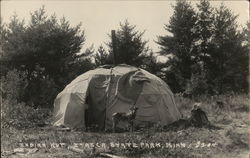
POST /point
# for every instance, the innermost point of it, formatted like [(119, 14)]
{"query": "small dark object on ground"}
[(93, 128), (42, 124), (198, 118), (220, 104), (178, 125)]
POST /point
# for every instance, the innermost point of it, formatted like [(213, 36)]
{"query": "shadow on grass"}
[(184, 124)]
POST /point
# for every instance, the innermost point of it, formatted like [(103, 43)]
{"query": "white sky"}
[(100, 17)]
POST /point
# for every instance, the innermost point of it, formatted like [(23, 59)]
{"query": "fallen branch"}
[(107, 155)]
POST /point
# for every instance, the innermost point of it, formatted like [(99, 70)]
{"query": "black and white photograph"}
[(125, 78)]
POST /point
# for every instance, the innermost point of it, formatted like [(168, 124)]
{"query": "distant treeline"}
[(208, 53)]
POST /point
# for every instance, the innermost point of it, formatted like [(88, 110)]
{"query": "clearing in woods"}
[(231, 139)]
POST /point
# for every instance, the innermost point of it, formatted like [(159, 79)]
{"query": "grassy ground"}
[(230, 140)]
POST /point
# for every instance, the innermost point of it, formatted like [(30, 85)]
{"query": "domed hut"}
[(94, 96)]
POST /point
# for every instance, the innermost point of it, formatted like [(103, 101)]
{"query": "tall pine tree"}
[(130, 46), (205, 15), (45, 42), (46, 49), (205, 30), (181, 44), (228, 69)]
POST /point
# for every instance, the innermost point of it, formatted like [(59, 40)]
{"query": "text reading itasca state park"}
[(149, 145)]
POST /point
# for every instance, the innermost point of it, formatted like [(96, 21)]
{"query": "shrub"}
[(14, 85), (15, 112), (21, 116), (41, 92), (197, 85)]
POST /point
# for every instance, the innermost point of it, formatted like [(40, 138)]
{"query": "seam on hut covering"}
[(134, 81)]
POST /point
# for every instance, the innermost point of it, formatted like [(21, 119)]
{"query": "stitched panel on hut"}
[(72, 105), (77, 109), (97, 97), (130, 86)]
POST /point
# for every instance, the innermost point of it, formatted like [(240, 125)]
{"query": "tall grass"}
[(233, 103), (232, 138)]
